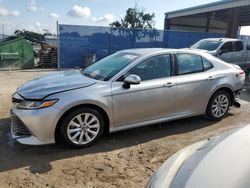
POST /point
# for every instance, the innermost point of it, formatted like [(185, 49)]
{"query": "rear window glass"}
[(189, 63), (206, 64)]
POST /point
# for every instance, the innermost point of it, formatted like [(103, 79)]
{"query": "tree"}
[(29, 35), (48, 33), (135, 18)]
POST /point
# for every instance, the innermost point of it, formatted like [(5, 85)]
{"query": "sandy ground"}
[(123, 159), (9, 81)]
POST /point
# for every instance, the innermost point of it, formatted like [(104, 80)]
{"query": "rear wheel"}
[(82, 127), (218, 105)]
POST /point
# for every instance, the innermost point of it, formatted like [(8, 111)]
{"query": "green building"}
[(16, 53)]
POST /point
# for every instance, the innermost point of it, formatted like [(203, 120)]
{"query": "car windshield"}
[(107, 67), (208, 45)]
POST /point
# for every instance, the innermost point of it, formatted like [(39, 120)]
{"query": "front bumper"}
[(34, 127)]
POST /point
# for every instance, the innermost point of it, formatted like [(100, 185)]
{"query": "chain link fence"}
[(77, 42)]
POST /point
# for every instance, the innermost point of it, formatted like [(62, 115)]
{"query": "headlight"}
[(30, 105)]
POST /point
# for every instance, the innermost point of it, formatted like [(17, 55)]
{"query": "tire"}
[(218, 105), (82, 127)]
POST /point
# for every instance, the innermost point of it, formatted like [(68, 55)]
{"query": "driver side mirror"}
[(131, 79), (221, 51)]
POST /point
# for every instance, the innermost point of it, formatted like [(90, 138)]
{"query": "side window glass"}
[(153, 68), (238, 46), (206, 64), (189, 63), (227, 47)]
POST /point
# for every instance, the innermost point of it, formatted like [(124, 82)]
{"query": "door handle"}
[(210, 78), (169, 84)]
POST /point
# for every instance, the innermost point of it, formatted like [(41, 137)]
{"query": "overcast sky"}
[(37, 15)]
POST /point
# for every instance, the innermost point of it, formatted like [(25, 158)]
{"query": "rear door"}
[(194, 82)]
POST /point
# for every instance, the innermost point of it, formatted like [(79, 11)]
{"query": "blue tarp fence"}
[(76, 41)]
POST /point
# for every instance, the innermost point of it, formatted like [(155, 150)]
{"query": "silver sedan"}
[(127, 89)]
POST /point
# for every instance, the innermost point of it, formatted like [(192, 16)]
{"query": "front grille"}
[(18, 128)]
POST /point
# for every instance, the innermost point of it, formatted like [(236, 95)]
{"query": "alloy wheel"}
[(83, 128), (220, 105)]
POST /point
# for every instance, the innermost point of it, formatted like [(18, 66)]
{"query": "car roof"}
[(221, 39), (143, 51), (151, 51), (147, 52)]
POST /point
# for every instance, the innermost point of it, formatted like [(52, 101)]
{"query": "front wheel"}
[(82, 127), (218, 105)]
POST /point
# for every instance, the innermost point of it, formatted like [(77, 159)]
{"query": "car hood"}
[(223, 162), (214, 53), (41, 87), (201, 50)]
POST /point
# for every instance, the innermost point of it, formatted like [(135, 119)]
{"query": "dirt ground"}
[(123, 159)]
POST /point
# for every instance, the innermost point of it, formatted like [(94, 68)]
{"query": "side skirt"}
[(150, 122)]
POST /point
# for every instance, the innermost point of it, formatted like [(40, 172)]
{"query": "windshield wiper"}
[(88, 75)]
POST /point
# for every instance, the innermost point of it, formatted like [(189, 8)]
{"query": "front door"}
[(153, 98), (226, 52)]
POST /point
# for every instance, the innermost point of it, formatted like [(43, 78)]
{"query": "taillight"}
[(241, 74)]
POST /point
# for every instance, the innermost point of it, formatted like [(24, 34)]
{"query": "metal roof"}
[(211, 7)]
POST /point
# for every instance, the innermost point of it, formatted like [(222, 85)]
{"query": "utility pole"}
[(3, 28), (58, 45)]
